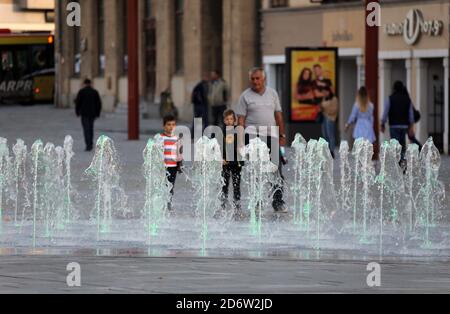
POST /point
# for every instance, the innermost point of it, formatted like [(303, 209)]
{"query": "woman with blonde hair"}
[(362, 117)]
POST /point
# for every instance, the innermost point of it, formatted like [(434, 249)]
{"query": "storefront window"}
[(279, 3), (179, 38), (6, 69), (101, 37), (125, 36), (76, 51)]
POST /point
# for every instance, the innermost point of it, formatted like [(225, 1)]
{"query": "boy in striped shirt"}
[(172, 152)]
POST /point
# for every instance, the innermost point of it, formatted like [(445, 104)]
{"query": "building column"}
[(193, 54), (271, 75), (408, 66), (64, 46), (113, 52), (446, 104), (165, 38), (239, 43), (361, 71), (89, 59), (385, 83), (421, 95)]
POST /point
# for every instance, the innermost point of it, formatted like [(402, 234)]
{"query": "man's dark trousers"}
[(277, 188), (400, 134), (88, 129), (232, 174)]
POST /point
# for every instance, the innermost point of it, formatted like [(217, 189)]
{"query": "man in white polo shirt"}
[(259, 112)]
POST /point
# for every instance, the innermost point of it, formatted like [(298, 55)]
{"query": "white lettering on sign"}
[(374, 14), (413, 27), (74, 17), (16, 86)]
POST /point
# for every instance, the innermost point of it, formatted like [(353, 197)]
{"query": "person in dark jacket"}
[(200, 100), (398, 110), (88, 107)]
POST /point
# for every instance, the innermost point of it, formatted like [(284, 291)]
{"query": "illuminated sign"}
[(413, 27)]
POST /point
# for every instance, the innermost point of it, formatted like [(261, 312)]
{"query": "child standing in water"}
[(232, 167), (172, 153)]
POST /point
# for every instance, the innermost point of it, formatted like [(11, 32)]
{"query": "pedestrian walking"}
[(330, 110), (200, 100), (88, 107), (362, 117), (218, 96), (399, 112), (259, 109), (412, 133)]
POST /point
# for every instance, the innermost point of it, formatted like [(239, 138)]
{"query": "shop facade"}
[(419, 57), (414, 48)]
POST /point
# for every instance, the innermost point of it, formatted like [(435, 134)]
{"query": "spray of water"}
[(20, 181), (432, 192), (412, 179), (207, 182), (260, 175), (299, 145), (105, 172), (68, 154), (157, 188), (4, 156), (37, 151), (387, 206), (345, 178)]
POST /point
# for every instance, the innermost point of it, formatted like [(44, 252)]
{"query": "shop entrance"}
[(348, 85), (435, 102), (212, 19), (398, 73)]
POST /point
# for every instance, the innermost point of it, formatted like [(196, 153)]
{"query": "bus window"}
[(6, 72), (22, 63), (40, 58)]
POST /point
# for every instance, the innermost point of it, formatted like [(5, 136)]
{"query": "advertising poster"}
[(311, 72)]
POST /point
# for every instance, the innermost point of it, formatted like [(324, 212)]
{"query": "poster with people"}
[(311, 72)]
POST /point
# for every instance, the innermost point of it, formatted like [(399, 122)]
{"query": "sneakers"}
[(403, 166), (238, 215), (281, 208)]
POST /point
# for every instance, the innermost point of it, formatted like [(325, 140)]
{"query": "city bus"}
[(27, 68)]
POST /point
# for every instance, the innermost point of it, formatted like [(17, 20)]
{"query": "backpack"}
[(417, 115)]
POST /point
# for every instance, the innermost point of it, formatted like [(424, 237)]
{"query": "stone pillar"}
[(385, 83), (193, 52), (408, 66), (89, 46), (446, 104), (421, 99), (64, 47), (113, 52), (239, 43), (360, 68), (142, 64), (165, 45)]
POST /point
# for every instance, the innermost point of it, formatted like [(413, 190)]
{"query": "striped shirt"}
[(170, 150)]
